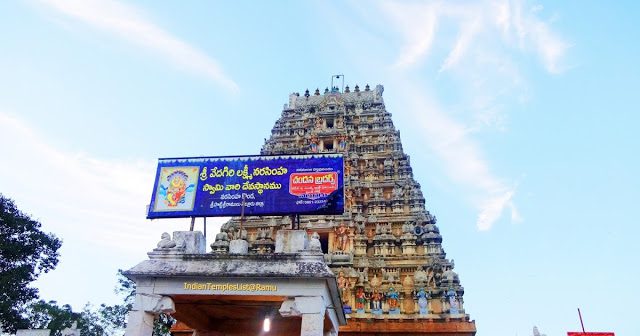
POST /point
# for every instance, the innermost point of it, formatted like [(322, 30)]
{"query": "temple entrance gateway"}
[(234, 294), (378, 268)]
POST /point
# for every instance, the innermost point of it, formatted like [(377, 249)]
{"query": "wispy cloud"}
[(462, 158), (483, 60), (96, 206), (417, 25), (532, 33), (129, 23)]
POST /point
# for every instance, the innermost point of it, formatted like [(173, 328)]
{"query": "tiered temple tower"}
[(386, 250)]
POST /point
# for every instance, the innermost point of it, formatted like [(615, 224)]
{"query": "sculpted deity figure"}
[(349, 198), (342, 237), (423, 302), (342, 142), (314, 242), (361, 298), (376, 298), (166, 241), (392, 298), (453, 301), (343, 285), (314, 144)]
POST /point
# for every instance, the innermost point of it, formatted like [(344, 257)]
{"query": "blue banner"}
[(257, 185)]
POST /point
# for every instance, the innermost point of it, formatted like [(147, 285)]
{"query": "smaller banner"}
[(257, 185), (579, 333)]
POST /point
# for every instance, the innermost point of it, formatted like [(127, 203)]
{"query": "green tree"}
[(103, 320), (25, 253), (48, 315)]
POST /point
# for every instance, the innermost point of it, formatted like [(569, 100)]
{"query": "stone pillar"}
[(312, 325), (312, 310), (144, 311), (139, 323)]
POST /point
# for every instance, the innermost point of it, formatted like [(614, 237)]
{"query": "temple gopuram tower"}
[(386, 250)]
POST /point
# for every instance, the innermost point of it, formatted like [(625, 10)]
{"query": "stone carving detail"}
[(342, 237), (166, 242), (314, 242), (221, 244), (423, 302)]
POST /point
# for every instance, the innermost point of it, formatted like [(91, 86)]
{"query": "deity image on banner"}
[(176, 189)]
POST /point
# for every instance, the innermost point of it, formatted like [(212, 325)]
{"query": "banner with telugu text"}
[(259, 185)]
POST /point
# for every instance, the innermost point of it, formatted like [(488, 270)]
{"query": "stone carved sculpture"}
[(392, 299), (221, 243), (376, 302), (342, 237), (349, 199), (166, 242), (361, 299), (343, 286), (453, 301), (314, 242), (420, 276), (423, 301)]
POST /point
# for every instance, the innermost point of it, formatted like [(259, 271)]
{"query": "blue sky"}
[(520, 118)]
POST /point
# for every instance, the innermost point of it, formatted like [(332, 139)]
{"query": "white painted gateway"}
[(289, 293)]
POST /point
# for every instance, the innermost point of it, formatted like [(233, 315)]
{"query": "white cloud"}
[(96, 206), (417, 24), (462, 158), (467, 32), (492, 208), (512, 17), (484, 62), (128, 23)]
